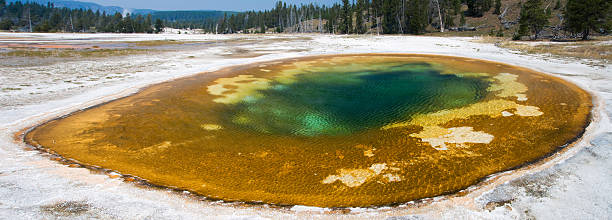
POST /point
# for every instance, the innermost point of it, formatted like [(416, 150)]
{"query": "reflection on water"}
[(332, 131)]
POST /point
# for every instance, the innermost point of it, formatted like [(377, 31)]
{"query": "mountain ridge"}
[(79, 5)]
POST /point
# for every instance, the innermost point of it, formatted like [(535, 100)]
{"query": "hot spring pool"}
[(328, 131)]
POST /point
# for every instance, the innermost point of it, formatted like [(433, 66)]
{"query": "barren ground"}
[(43, 76)]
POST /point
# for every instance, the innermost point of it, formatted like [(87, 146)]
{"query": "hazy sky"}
[(231, 5)]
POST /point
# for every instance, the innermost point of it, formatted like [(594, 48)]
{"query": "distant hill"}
[(78, 5), (189, 15), (142, 11)]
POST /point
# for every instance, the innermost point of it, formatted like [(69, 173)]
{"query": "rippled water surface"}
[(342, 102), (330, 131)]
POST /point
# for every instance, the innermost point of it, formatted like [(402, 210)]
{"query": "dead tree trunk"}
[(501, 17), (440, 16), (403, 20), (320, 22), (377, 26), (30, 19), (72, 25)]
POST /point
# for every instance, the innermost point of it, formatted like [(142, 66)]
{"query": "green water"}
[(342, 103)]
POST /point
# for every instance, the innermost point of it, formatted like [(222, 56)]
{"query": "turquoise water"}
[(342, 103)]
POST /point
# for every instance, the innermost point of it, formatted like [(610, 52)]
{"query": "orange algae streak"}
[(178, 134)]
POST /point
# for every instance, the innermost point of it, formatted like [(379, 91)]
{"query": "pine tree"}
[(449, 21), (533, 18), (359, 28), (418, 15), (223, 25), (487, 4), (477, 8), (456, 4), (148, 24), (377, 13), (159, 25), (6, 24), (389, 21), (347, 21), (138, 24), (583, 16), (56, 21), (128, 26), (500, 32), (497, 7), (231, 24), (2, 7)]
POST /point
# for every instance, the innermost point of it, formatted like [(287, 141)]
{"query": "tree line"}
[(580, 18), (357, 17), (34, 17)]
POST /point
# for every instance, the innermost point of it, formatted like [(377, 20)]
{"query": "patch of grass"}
[(10, 89), (151, 43), (489, 39), (67, 208), (598, 49), (67, 53), (454, 33)]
